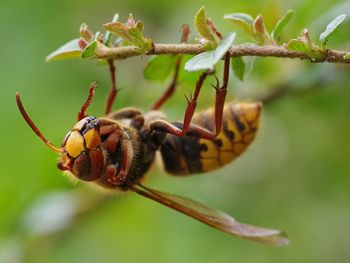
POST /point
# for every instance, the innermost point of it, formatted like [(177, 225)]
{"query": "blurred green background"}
[(294, 177)]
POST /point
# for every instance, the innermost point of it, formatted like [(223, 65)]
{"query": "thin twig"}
[(333, 56)]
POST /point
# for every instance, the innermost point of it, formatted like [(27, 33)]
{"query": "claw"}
[(189, 98), (217, 81), (216, 87)]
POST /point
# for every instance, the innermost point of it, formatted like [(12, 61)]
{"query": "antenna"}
[(33, 126)]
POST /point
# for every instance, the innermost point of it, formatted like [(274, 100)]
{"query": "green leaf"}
[(301, 46), (238, 67), (208, 59), (260, 32), (69, 50), (297, 45), (331, 27), (159, 67), (304, 44), (243, 21), (90, 50), (138, 39), (281, 24), (99, 37), (132, 34), (107, 40), (347, 56), (119, 29), (200, 21)]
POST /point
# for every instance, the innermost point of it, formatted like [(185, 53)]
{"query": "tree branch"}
[(332, 56)]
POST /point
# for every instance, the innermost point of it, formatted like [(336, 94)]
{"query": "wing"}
[(213, 217)]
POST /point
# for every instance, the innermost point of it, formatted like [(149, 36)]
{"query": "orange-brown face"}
[(82, 154)]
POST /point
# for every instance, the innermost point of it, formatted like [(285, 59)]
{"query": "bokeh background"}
[(295, 177)]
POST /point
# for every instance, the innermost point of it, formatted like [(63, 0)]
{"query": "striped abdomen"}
[(189, 155)]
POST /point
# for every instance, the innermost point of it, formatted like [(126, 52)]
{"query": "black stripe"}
[(191, 150), (241, 127), (208, 124), (229, 134)]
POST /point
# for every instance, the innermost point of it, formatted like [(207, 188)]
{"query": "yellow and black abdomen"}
[(189, 155)]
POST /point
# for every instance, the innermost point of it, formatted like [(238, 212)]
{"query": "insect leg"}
[(111, 170), (113, 176), (137, 120), (220, 97), (81, 113), (165, 126), (181, 129), (113, 92), (171, 88), (178, 129), (113, 134)]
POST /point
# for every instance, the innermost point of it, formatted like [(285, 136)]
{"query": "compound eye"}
[(81, 167), (75, 144)]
